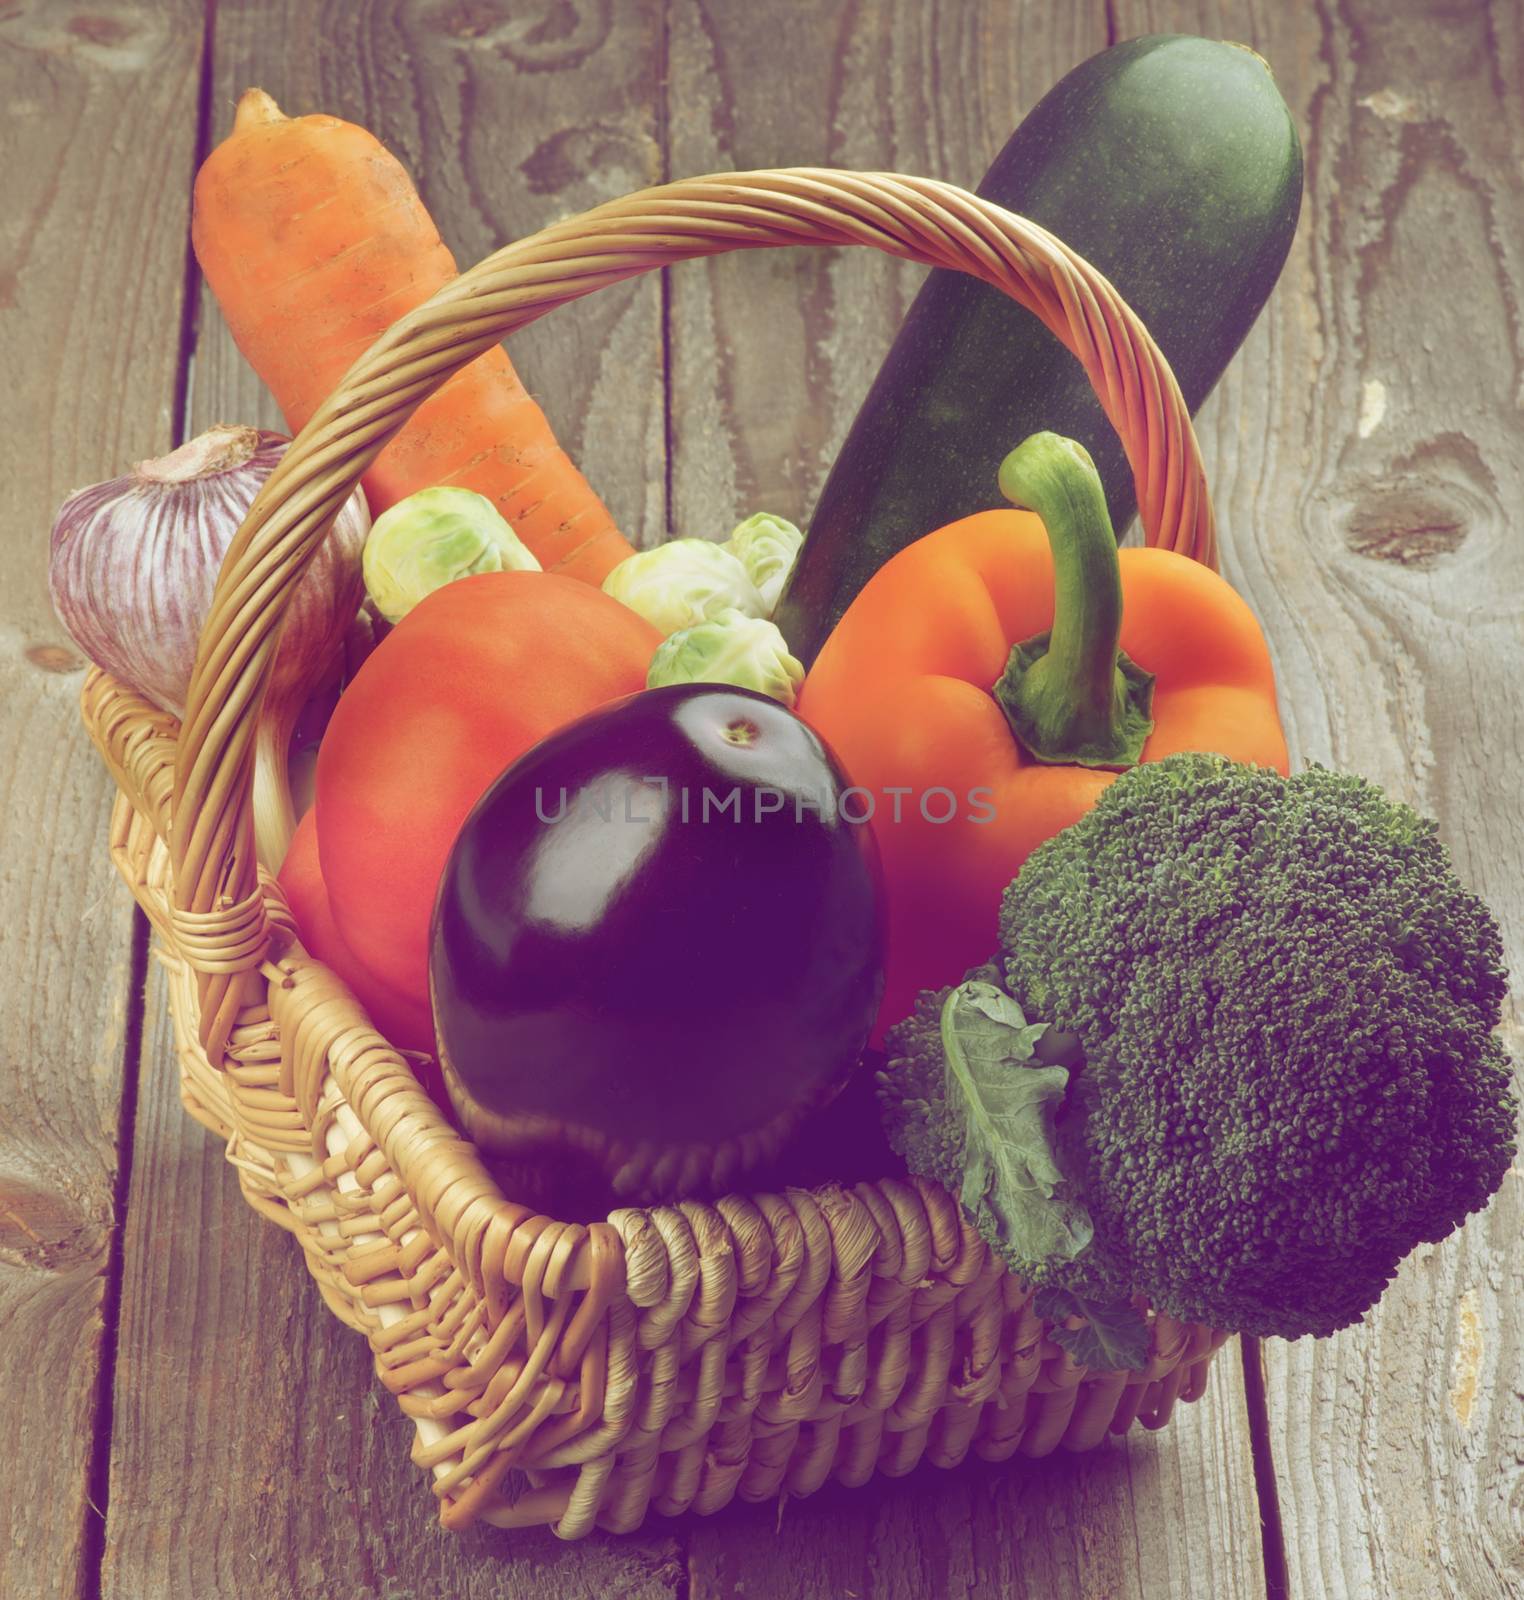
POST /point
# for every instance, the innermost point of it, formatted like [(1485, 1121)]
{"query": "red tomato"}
[(403, 1022), (472, 677)]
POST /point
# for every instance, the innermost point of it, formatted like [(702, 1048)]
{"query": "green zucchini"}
[(1173, 165)]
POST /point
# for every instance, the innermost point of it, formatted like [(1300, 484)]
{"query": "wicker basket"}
[(669, 1358)]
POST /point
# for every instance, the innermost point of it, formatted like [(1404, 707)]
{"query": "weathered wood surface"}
[(1363, 454), (1365, 450), (772, 352), (1166, 1514), (97, 128)]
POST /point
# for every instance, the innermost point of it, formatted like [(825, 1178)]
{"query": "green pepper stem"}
[(1070, 695)]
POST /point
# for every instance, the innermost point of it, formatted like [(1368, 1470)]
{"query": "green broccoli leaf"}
[(1009, 1168), (1113, 1339)]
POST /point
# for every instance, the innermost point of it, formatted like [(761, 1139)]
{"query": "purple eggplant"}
[(658, 940)]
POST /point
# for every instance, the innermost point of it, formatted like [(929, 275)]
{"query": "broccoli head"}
[(1285, 1002)]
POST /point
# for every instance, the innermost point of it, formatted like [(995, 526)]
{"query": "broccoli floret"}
[(1286, 1002), (919, 1122)]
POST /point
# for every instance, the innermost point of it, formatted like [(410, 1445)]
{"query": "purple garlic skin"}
[(134, 562)]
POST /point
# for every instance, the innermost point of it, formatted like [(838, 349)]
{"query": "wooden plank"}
[(1365, 452), (254, 1452), (1162, 1514), (771, 355), (97, 122), (761, 402)]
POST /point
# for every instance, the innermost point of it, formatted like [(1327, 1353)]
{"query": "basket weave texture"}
[(669, 1358)]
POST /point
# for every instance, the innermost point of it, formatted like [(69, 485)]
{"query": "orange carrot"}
[(314, 241)]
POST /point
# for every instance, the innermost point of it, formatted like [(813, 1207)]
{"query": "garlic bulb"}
[(132, 570)]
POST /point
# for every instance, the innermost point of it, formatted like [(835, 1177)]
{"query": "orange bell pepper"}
[(992, 678)]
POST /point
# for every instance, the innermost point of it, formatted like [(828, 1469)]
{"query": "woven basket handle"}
[(218, 911)]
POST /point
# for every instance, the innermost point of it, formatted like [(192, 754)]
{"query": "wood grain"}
[(97, 121), (1365, 453), (254, 1454), (771, 354)]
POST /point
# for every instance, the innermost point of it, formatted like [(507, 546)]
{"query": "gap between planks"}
[(98, 1473)]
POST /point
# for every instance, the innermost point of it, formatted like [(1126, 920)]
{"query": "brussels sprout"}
[(430, 539), (682, 583), (747, 652), (767, 547)]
